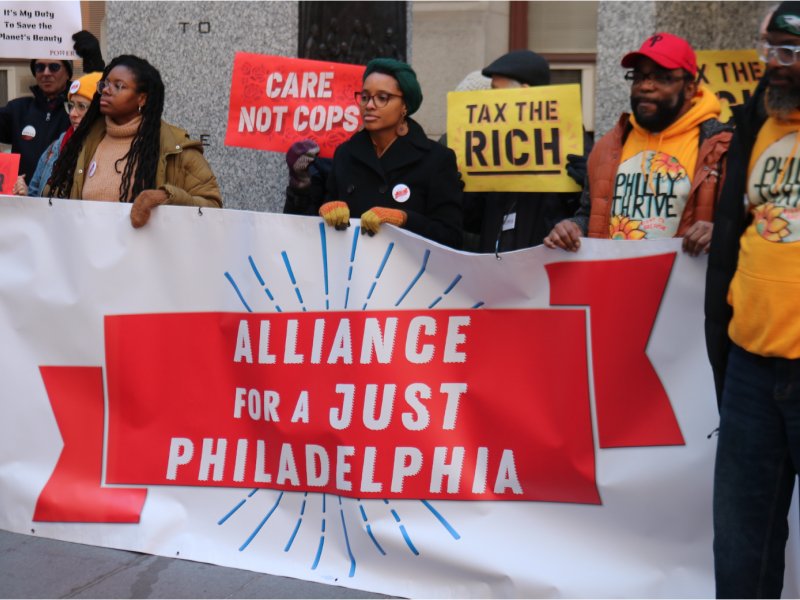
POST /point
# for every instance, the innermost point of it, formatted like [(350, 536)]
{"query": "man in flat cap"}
[(514, 220), (753, 327), (658, 173)]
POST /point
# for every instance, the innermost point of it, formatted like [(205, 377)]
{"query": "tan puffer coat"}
[(182, 171)]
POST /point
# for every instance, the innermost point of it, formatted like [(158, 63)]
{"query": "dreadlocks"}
[(142, 158)]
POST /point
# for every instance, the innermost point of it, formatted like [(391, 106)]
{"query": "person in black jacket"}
[(308, 176), (752, 326), (390, 172), (509, 221), (31, 124)]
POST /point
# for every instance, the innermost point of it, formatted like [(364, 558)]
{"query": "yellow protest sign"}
[(731, 74), (516, 140)]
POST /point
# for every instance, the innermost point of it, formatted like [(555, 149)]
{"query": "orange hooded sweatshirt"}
[(765, 291), (655, 174)]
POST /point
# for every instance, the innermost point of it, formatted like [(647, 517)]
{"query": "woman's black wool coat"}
[(364, 181)]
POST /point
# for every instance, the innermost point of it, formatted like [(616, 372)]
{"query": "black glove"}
[(576, 168), (88, 48), (299, 157)]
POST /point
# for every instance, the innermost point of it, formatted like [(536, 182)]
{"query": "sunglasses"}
[(54, 67)]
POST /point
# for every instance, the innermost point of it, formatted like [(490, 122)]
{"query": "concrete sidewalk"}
[(33, 567)]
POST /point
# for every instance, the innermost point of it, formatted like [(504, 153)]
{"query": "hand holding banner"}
[(278, 101), (516, 140)]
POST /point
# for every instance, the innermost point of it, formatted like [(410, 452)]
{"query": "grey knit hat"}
[(474, 82)]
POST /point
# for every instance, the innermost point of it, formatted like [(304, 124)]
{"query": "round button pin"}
[(76, 85), (401, 193), (92, 168), (28, 133)]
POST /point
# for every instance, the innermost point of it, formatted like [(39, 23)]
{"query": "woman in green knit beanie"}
[(389, 171), (405, 76)]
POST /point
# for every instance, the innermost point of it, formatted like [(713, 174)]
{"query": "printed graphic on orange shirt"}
[(769, 223), (650, 194), (773, 189), (622, 228)]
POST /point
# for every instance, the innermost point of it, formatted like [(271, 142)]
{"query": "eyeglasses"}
[(785, 55), (658, 78), (113, 88), (54, 67), (80, 107), (380, 99)]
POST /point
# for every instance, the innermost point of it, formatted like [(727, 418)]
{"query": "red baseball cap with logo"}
[(669, 51)]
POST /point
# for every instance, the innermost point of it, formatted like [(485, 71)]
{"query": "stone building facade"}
[(193, 45)]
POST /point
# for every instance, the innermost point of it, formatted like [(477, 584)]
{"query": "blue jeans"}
[(758, 448)]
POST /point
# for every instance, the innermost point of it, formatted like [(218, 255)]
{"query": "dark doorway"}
[(352, 32)]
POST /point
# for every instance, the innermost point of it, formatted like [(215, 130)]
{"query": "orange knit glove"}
[(336, 214), (372, 219), (144, 203)]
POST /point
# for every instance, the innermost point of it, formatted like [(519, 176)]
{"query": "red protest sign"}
[(277, 101), (9, 169), (403, 404)]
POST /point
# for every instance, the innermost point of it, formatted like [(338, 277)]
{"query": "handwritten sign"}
[(277, 101), (730, 74), (39, 29), (9, 168), (516, 140)]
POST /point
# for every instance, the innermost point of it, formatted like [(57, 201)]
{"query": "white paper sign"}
[(39, 29)]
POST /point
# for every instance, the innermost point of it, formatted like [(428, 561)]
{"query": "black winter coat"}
[(537, 214), (364, 181), (48, 123), (730, 223), (306, 201)]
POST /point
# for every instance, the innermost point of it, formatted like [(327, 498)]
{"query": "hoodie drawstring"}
[(650, 170)]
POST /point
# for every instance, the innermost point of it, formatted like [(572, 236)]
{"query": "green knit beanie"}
[(405, 76)]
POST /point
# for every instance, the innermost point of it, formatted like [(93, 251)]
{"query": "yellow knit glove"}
[(336, 214), (372, 219)]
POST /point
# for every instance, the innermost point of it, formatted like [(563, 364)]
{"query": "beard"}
[(782, 100), (665, 114)]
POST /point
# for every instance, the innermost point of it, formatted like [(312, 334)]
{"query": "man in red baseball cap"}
[(659, 172)]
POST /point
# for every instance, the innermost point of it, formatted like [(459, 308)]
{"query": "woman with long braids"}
[(123, 152)]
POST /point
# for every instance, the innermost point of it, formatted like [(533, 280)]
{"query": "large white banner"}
[(583, 422), (39, 29)]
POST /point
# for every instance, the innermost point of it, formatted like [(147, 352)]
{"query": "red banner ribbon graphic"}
[(73, 493), (435, 404)]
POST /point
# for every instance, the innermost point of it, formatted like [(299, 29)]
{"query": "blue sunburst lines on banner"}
[(378, 274)]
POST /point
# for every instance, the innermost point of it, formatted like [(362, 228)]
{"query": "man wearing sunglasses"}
[(753, 327), (31, 124), (658, 173)]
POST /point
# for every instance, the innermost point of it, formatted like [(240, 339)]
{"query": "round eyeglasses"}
[(80, 107), (380, 99), (785, 55), (113, 88)]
